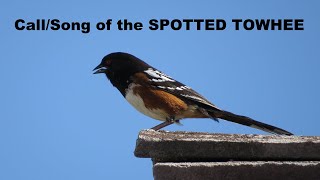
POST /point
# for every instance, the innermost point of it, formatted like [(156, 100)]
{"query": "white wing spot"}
[(161, 87), (158, 76), (193, 97), (181, 88)]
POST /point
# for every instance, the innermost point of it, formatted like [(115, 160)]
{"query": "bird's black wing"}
[(164, 82)]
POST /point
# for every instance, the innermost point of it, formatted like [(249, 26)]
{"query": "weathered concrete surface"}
[(163, 146), (238, 170)]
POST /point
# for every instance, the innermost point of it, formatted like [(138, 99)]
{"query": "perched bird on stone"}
[(161, 97)]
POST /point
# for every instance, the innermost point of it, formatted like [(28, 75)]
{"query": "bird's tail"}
[(248, 122)]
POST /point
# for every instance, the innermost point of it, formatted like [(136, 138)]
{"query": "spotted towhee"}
[(159, 96)]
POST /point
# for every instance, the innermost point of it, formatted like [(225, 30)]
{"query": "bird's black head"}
[(120, 62), (118, 67)]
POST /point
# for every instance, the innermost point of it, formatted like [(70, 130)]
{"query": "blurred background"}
[(59, 121)]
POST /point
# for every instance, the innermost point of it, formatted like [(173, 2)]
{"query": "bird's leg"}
[(168, 122), (162, 125)]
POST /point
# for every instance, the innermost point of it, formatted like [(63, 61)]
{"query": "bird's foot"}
[(168, 122)]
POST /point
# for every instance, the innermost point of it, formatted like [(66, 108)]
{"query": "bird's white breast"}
[(137, 102)]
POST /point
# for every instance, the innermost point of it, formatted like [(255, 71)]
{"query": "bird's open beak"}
[(99, 69)]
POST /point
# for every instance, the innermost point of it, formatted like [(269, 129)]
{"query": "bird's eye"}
[(108, 63)]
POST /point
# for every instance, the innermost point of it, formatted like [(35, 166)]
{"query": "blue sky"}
[(59, 121)]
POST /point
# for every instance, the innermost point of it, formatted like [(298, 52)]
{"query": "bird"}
[(159, 96)]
